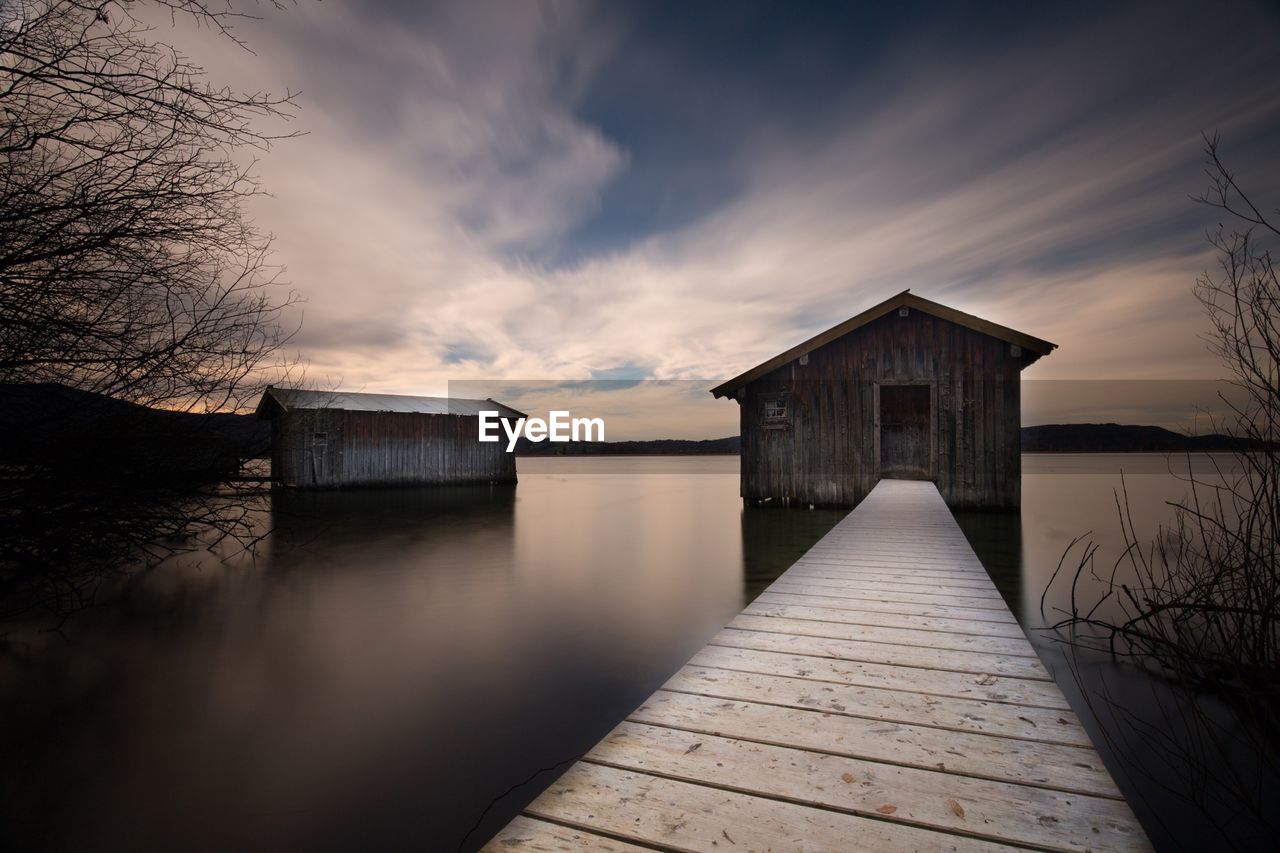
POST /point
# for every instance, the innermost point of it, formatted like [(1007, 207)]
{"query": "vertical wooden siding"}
[(827, 453), (384, 449)]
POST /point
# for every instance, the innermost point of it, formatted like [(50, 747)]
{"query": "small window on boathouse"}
[(775, 411)]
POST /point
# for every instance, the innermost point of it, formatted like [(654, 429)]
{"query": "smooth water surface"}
[(407, 668), (392, 662)]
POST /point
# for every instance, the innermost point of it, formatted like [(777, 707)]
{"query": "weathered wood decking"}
[(878, 696)]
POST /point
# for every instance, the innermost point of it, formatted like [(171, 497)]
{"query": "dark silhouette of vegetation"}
[(128, 269), (1199, 604)]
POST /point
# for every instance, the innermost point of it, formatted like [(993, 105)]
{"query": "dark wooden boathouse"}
[(908, 389), (330, 439)]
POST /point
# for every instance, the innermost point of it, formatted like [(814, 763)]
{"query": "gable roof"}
[(288, 399), (1035, 347)]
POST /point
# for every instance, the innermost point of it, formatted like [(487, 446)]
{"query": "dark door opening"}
[(904, 432)]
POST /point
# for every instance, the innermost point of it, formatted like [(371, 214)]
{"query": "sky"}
[(678, 191)]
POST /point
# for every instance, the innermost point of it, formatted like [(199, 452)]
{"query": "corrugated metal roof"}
[(302, 398)]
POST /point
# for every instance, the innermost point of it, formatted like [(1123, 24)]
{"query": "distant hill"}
[(1120, 438)]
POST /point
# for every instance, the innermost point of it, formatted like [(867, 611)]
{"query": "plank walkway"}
[(878, 696)]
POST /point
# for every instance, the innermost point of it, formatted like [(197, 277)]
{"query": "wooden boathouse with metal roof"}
[(333, 439), (908, 389)]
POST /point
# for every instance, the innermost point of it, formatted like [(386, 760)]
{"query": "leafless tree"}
[(127, 265), (128, 268), (1199, 604)]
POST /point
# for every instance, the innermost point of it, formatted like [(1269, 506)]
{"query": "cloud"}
[(1041, 183)]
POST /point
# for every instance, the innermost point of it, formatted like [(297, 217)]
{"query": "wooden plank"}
[(888, 608), (890, 542), (923, 657), (883, 620), (997, 811), (1064, 768), (914, 567), (872, 619), (917, 569), (889, 592), (938, 640), (902, 555), (538, 836), (880, 582), (961, 715), (987, 687), (897, 546), (839, 591), (907, 581), (676, 815), (926, 567)]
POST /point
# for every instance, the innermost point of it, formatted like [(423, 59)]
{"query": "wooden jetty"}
[(878, 696)]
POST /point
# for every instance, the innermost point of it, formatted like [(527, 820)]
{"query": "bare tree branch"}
[(1199, 604), (129, 269)]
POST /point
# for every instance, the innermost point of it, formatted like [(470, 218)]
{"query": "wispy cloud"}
[(449, 166)]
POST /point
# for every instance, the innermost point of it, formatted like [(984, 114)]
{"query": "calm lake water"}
[(407, 668)]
